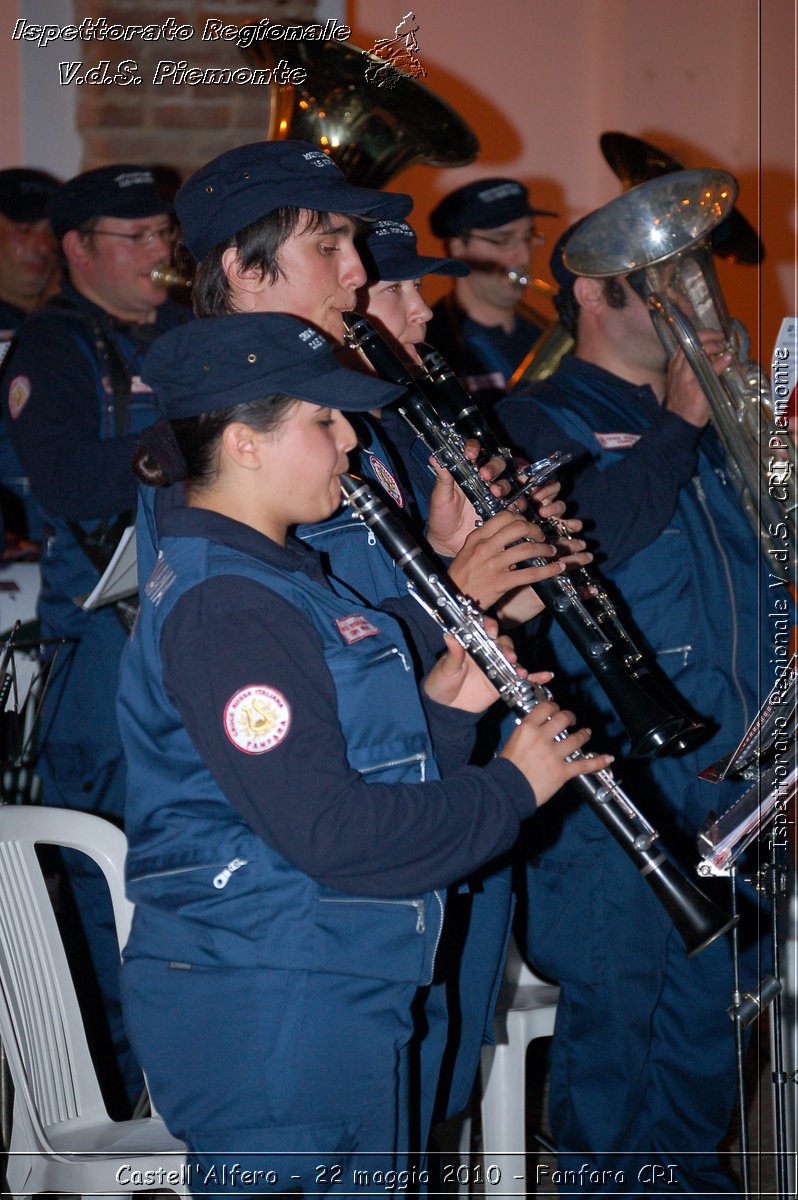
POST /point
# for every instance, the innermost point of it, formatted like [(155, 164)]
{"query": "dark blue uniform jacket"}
[(275, 742)]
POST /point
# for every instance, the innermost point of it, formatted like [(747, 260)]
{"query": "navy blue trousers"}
[(643, 1063), (276, 1080), (461, 1003)]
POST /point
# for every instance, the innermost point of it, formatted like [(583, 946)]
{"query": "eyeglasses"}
[(502, 240), (145, 237)]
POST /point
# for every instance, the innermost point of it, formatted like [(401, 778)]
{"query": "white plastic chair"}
[(526, 1010), (62, 1137)]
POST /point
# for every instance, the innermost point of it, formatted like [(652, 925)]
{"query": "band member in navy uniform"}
[(460, 1007), (481, 327), (252, 220), (643, 1059), (295, 802), (75, 403), (27, 265)]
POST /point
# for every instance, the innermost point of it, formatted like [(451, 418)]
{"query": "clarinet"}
[(697, 919), (450, 399), (653, 727)]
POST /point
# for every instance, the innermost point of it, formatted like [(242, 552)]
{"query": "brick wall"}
[(180, 126)]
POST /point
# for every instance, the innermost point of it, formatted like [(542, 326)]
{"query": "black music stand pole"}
[(739, 1043)]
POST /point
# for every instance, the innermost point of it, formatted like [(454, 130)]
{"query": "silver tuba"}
[(658, 235)]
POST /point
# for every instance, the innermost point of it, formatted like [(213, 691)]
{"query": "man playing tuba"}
[(643, 1064)]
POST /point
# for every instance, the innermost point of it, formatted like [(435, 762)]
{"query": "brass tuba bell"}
[(370, 132)]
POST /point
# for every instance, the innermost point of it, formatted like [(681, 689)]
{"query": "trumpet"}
[(698, 920), (652, 725)]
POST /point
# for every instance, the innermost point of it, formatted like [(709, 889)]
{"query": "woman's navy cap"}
[(483, 204), (219, 362), (24, 194), (389, 252), (247, 183), (121, 190)]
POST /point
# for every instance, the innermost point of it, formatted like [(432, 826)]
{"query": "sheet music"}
[(120, 578)]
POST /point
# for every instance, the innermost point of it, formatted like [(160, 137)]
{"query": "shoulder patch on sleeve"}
[(18, 395), (257, 718)]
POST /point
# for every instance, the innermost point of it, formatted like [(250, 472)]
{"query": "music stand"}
[(768, 755)]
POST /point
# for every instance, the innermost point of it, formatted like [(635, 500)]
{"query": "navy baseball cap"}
[(247, 183), (388, 251), (24, 194), (483, 204), (121, 190), (218, 362)]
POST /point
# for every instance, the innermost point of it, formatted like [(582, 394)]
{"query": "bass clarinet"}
[(652, 725), (697, 919)]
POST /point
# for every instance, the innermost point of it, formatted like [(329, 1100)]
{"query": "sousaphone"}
[(371, 131)]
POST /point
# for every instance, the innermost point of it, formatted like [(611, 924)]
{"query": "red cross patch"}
[(355, 627)]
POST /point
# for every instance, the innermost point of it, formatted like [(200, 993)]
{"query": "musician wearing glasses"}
[(75, 403), (459, 1009), (482, 328), (643, 1062)]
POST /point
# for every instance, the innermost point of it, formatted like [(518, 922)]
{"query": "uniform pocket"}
[(566, 925)]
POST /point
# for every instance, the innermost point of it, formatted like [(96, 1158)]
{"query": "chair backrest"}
[(517, 970), (41, 1026)]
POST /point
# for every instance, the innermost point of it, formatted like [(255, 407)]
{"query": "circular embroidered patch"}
[(386, 479), (18, 394), (257, 718)]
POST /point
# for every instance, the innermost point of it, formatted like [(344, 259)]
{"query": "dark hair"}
[(85, 231), (257, 246), (568, 306), (185, 449)]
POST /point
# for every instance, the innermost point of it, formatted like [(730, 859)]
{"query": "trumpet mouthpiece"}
[(167, 277)]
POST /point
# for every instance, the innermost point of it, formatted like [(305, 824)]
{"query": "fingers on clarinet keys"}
[(546, 754)]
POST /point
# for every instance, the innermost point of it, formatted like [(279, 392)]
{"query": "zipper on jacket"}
[(389, 652), (171, 871), (437, 896), (685, 652), (418, 905), (222, 879), (223, 875), (421, 759)]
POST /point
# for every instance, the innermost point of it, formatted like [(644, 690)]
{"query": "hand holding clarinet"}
[(541, 747)]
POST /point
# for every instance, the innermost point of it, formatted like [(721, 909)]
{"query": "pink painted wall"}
[(540, 80)]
